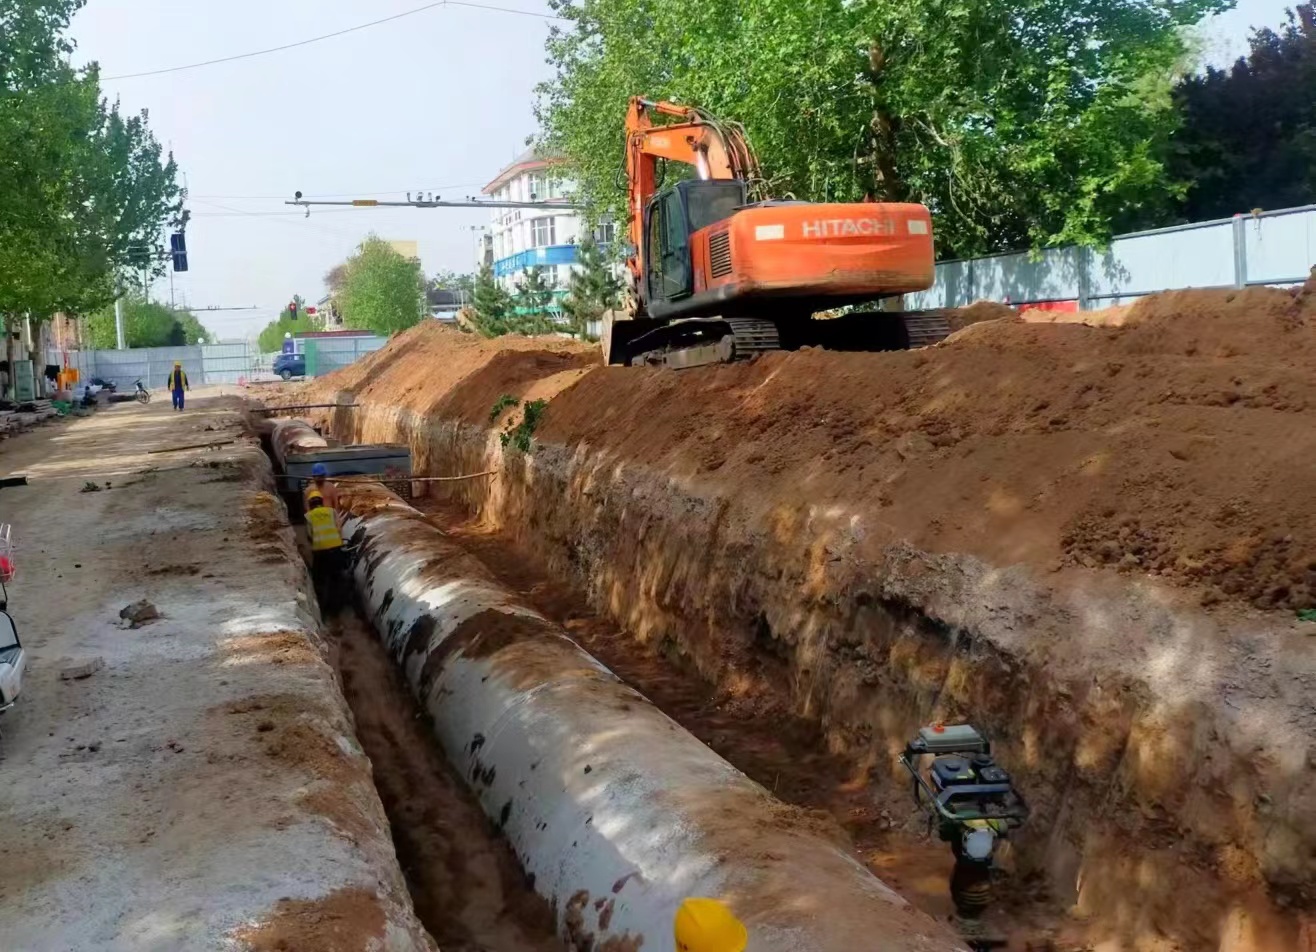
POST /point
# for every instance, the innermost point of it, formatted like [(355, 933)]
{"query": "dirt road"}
[(200, 787)]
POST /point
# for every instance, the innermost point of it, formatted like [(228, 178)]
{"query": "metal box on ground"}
[(390, 461)]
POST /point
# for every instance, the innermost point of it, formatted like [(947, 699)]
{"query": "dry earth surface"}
[(200, 788)]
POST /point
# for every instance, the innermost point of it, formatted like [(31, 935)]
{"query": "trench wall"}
[(1158, 811)]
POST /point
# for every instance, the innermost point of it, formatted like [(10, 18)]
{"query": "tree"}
[(534, 297), (592, 290), (1249, 133), (1017, 123), (87, 191), (492, 305), (381, 291), (335, 276), (146, 324), (270, 339), (452, 281)]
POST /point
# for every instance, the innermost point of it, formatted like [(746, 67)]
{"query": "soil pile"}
[(1178, 444)]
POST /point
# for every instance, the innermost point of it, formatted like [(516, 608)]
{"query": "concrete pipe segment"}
[(293, 438), (615, 812)]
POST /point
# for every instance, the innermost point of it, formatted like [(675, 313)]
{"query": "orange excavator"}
[(719, 273)]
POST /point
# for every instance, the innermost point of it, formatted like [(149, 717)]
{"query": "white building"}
[(522, 238)]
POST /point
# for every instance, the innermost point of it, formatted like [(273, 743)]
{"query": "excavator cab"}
[(671, 219)]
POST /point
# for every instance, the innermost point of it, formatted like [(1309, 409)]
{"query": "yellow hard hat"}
[(178, 363), (314, 497), (706, 925)]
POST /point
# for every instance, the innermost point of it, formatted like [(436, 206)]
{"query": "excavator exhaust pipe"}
[(615, 812)]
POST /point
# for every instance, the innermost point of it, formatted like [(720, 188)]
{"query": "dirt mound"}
[(1176, 444), (978, 312), (421, 366)]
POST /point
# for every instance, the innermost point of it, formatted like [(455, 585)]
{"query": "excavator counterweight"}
[(718, 276)]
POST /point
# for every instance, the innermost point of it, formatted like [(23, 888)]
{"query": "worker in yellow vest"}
[(706, 925), (178, 383), (328, 561)]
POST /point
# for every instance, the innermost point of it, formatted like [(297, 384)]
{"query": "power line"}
[(334, 195), (329, 36)]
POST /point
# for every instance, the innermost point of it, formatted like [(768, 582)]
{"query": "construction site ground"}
[(1094, 538), (194, 782)]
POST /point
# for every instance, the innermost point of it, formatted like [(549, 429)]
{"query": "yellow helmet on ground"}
[(706, 925)]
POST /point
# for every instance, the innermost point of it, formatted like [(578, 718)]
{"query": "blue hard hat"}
[(319, 469)]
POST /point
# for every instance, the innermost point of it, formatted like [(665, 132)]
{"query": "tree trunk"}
[(9, 358), (888, 186)]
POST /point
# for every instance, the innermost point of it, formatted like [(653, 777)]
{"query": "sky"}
[(439, 101)]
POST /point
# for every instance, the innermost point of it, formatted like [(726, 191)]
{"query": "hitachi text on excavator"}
[(719, 273)]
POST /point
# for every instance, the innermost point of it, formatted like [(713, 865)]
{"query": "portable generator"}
[(972, 801)]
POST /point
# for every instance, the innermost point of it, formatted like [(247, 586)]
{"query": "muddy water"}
[(467, 887)]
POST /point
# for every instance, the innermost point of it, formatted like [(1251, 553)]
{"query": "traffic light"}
[(292, 309), (178, 249)]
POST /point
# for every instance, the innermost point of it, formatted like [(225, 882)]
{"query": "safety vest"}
[(323, 528)]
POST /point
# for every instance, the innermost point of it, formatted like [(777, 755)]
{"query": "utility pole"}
[(118, 321)]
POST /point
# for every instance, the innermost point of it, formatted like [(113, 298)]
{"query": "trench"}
[(787, 754), (466, 886)]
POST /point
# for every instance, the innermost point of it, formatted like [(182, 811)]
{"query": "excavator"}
[(719, 273)]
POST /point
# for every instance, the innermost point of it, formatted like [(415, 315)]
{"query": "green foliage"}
[(504, 402), (593, 288), (1017, 123), (492, 305), (521, 436), (87, 190), (270, 340), (146, 324), (534, 296), (1249, 134), (452, 281), (382, 291)]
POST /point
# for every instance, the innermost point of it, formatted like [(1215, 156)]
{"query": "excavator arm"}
[(717, 150)]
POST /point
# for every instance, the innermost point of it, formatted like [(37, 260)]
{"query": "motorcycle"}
[(13, 660), (143, 395)]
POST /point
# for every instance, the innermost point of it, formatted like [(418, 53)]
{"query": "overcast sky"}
[(439, 101)]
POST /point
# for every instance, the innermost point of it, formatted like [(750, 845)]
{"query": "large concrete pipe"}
[(615, 811), (293, 438)]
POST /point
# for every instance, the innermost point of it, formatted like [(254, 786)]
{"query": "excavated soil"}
[(1091, 539)]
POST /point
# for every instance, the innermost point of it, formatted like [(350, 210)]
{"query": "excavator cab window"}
[(673, 216), (711, 201), (668, 254)]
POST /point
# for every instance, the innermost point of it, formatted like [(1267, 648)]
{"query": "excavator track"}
[(925, 328), (696, 342)]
